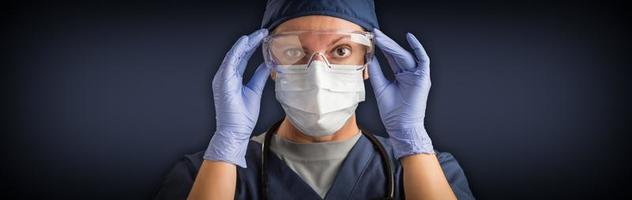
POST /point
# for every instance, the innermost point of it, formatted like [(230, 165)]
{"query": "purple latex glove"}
[(236, 105), (402, 102)]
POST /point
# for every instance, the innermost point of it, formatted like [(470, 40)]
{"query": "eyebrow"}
[(335, 41), (332, 42)]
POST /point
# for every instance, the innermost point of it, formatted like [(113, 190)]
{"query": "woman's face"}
[(317, 23)]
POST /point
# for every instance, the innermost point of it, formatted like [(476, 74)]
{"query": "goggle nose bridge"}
[(311, 58)]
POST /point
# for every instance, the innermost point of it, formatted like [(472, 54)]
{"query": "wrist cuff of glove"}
[(410, 141), (228, 147)]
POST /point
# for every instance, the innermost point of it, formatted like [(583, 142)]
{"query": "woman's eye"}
[(342, 52), (294, 53)]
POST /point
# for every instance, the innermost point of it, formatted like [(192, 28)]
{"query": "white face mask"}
[(319, 101)]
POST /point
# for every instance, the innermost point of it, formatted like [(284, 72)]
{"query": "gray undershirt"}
[(316, 163)]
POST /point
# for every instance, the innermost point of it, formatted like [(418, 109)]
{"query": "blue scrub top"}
[(361, 176)]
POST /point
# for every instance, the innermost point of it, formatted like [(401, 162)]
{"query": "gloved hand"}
[(402, 102), (236, 105)]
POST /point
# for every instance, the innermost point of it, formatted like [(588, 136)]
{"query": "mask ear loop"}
[(365, 73), (369, 58)]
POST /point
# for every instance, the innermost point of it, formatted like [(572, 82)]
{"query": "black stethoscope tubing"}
[(386, 163)]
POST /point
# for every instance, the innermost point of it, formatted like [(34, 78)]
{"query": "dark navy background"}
[(103, 97)]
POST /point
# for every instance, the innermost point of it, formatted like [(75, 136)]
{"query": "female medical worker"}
[(319, 53)]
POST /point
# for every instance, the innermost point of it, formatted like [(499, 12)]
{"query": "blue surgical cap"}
[(360, 12)]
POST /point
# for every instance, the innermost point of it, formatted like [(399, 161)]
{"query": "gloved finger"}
[(399, 59), (229, 64), (254, 40), (420, 52), (259, 78), (376, 76)]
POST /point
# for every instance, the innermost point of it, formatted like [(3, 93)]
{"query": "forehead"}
[(317, 23)]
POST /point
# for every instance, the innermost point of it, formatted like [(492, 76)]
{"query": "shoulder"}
[(177, 183), (455, 175), (451, 169)]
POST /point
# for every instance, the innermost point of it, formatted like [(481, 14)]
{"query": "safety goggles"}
[(341, 51)]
